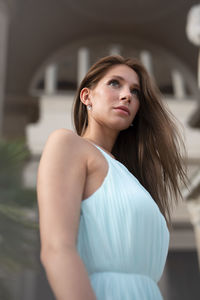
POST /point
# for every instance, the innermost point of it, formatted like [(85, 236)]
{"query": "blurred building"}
[(46, 48)]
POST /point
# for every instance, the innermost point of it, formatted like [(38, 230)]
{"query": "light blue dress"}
[(123, 238)]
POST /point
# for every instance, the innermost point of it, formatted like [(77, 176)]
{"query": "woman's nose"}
[(126, 95)]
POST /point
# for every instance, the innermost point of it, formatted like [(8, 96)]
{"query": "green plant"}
[(18, 221)]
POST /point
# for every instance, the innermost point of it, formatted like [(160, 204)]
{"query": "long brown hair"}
[(150, 149)]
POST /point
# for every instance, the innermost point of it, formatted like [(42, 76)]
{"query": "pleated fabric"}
[(123, 238)]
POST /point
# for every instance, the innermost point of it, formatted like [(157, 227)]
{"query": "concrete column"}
[(194, 210), (193, 31), (198, 69), (146, 59), (178, 85), (4, 25), (29, 285), (50, 81), (115, 50), (83, 62)]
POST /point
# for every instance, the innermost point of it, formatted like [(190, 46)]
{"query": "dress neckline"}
[(102, 149), (105, 151)]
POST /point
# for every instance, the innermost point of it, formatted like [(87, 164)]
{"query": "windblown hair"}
[(150, 149)]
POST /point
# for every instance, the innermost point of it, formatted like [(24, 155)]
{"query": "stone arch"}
[(163, 60)]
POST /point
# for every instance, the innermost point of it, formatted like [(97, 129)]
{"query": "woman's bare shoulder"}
[(66, 141), (60, 186), (63, 135)]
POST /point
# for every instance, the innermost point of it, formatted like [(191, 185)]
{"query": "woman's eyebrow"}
[(122, 78)]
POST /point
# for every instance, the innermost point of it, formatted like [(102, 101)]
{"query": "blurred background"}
[(46, 47)]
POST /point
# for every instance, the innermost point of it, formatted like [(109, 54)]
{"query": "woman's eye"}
[(114, 82), (136, 92)]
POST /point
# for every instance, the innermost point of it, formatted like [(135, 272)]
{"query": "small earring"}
[(131, 125), (89, 107)]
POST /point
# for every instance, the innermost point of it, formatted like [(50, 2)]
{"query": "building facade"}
[(46, 47)]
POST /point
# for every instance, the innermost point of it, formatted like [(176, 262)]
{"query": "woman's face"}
[(118, 88)]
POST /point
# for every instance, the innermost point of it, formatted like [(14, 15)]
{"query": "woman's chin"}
[(121, 127)]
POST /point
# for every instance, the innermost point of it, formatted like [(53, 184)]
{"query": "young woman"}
[(105, 192)]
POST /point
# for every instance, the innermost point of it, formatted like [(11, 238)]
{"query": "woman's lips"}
[(122, 111)]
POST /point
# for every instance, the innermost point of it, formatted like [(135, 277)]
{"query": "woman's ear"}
[(85, 96)]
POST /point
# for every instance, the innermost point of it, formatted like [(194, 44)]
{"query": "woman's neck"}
[(105, 141)]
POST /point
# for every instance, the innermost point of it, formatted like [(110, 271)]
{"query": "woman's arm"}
[(60, 184)]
